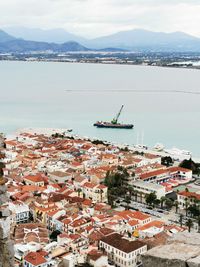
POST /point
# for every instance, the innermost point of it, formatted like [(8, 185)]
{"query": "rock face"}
[(1, 140), (6, 244), (181, 251)]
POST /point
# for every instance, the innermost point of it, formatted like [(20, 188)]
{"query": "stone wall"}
[(6, 243), (181, 251)]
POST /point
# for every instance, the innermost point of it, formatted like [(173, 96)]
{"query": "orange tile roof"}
[(138, 215), (89, 185), (157, 224), (153, 173), (133, 222), (35, 178), (35, 258), (189, 194)]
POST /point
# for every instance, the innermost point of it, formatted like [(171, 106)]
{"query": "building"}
[(122, 252), (164, 175), (20, 211), (186, 198), (36, 180), (95, 192), (35, 259), (147, 188)]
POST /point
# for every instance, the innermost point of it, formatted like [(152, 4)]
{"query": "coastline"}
[(68, 133), (104, 63)]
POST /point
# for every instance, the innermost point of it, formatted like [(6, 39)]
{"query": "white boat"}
[(159, 147), (139, 146), (178, 153)]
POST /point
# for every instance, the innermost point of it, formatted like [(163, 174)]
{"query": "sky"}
[(93, 18)]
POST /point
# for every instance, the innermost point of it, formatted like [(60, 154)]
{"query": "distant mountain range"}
[(18, 39), (9, 43)]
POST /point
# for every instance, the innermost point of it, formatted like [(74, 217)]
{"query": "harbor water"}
[(162, 103)]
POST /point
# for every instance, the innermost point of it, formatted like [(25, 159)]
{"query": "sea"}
[(162, 103)]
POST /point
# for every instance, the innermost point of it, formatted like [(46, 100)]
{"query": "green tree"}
[(186, 206), (157, 202), (181, 220), (176, 206), (167, 161), (131, 191), (198, 222), (168, 203), (189, 164), (150, 198), (127, 200), (162, 201), (189, 224)]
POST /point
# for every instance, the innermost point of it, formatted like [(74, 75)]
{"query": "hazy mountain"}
[(134, 40), (142, 40), (4, 37), (19, 45), (50, 36)]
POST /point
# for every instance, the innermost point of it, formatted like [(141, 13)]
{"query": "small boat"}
[(114, 123), (159, 147)]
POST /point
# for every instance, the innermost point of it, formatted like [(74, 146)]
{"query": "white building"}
[(147, 188), (121, 251), (20, 211)]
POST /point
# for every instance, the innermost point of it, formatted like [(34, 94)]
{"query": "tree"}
[(127, 200), (189, 164), (167, 161), (168, 203), (150, 198), (176, 205), (181, 220), (162, 201), (194, 210), (111, 199), (131, 191), (157, 202), (54, 234), (186, 206), (189, 224)]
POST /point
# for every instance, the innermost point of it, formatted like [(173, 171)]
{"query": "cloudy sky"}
[(92, 18)]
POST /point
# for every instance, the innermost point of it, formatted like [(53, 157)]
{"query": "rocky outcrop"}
[(181, 251), (6, 244)]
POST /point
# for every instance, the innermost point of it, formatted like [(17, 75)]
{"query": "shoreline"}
[(102, 63), (133, 148)]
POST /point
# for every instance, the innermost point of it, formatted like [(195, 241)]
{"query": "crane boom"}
[(115, 120)]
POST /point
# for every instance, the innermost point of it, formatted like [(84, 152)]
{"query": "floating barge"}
[(114, 123)]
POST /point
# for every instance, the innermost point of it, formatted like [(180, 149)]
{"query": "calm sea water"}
[(35, 94)]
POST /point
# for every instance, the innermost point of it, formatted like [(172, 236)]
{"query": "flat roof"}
[(152, 186)]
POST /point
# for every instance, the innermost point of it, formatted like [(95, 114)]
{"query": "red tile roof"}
[(35, 258)]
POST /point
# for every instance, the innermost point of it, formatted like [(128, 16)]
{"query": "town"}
[(145, 58), (70, 201)]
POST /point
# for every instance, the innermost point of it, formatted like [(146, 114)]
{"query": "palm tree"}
[(181, 220), (198, 222), (176, 205), (127, 200), (186, 206), (162, 201), (131, 191), (189, 224)]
